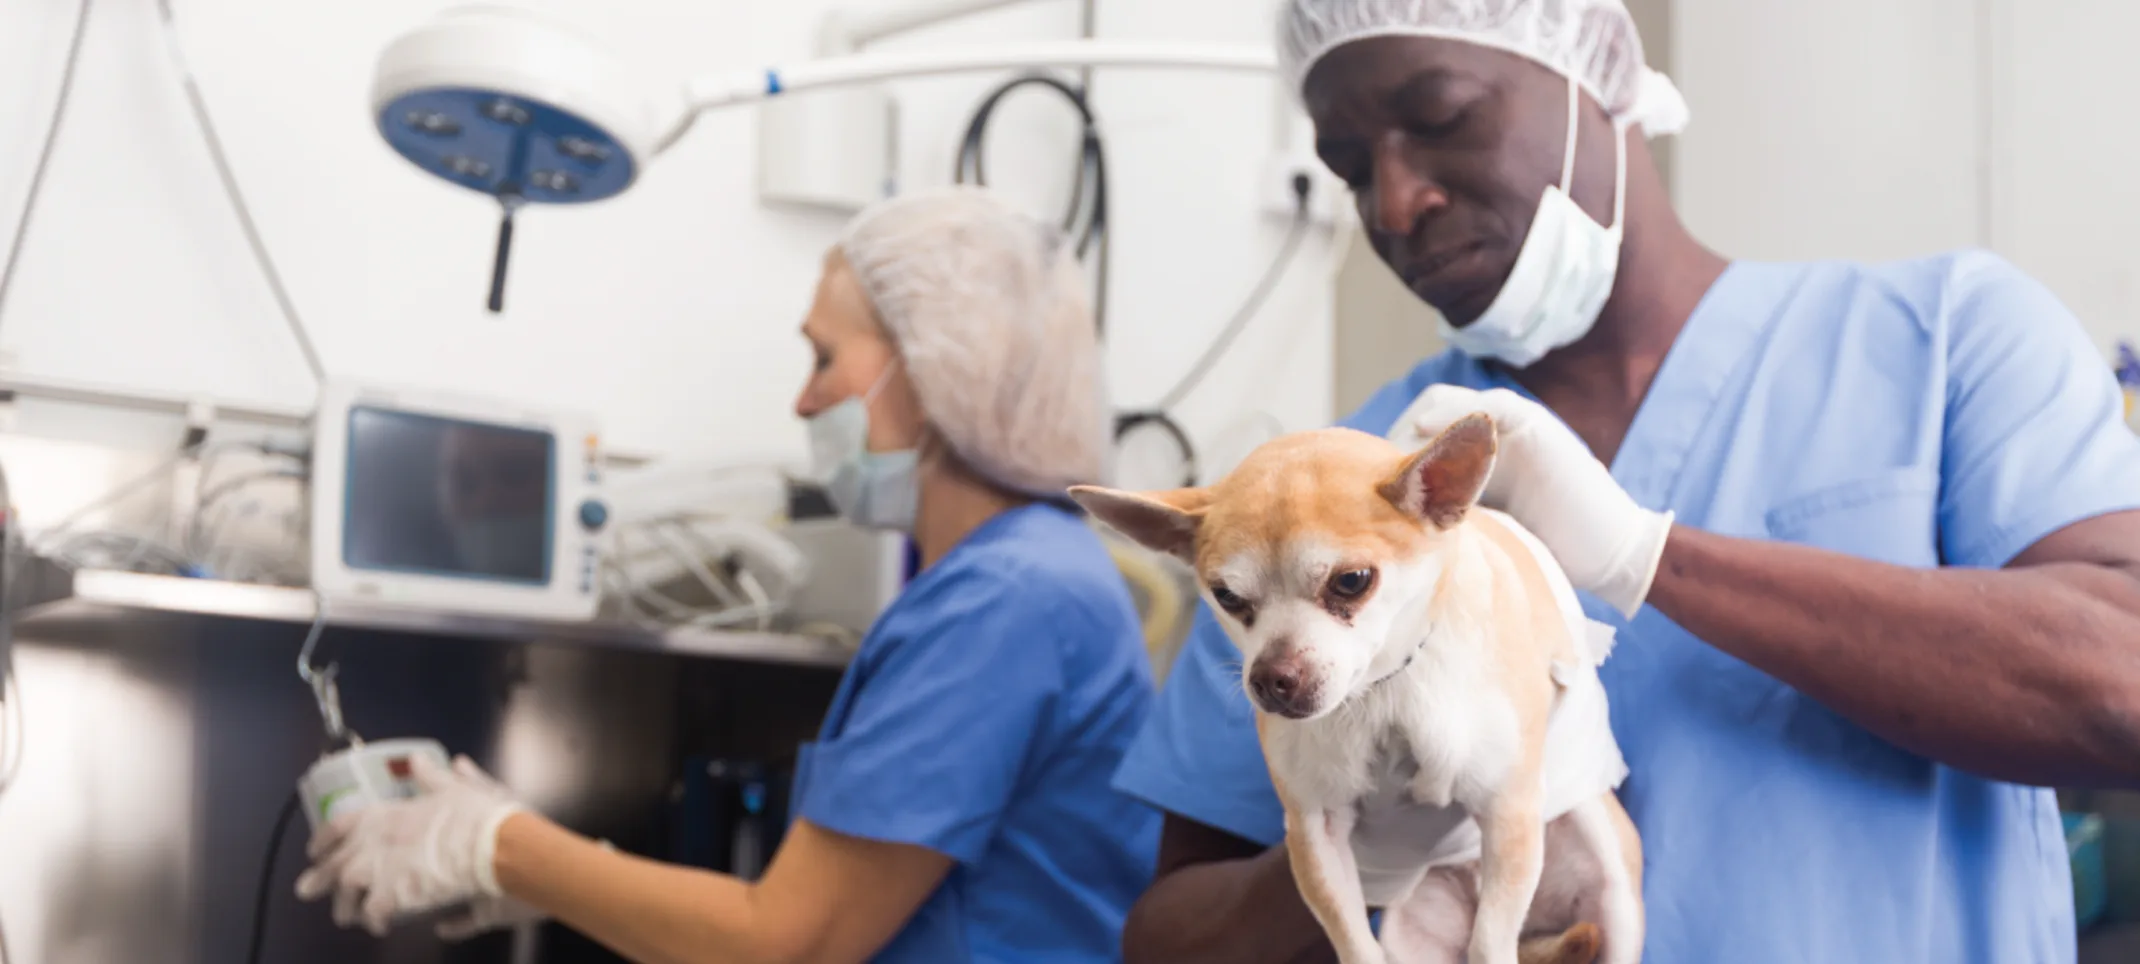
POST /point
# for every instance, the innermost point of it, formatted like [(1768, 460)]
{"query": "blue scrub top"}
[(982, 718), (1946, 411)]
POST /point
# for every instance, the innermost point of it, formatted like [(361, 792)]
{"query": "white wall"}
[(1829, 128), (2067, 153), (1891, 128), (669, 310)]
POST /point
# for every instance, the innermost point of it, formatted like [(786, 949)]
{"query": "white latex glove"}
[(1547, 479), (411, 856)]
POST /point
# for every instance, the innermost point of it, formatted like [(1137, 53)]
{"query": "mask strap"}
[(1567, 164), (1619, 154), (1619, 175), (883, 379)]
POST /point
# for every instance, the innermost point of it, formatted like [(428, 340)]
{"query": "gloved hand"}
[(410, 856), (1547, 479)]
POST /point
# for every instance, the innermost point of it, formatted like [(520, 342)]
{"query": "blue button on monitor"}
[(593, 515)]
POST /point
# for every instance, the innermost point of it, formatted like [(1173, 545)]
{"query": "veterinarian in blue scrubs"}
[(956, 806), (1868, 530)]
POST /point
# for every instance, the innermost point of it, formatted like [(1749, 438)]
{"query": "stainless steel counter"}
[(164, 726), (95, 595)]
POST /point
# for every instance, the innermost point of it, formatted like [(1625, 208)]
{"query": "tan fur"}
[(1542, 622), (1530, 633), (1283, 487), (1630, 841)]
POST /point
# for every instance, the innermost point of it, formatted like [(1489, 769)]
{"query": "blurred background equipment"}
[(423, 499), (531, 111)]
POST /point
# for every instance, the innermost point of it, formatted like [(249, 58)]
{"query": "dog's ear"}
[(1160, 521), (1443, 480)]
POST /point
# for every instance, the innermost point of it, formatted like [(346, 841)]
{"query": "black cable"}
[(1088, 198), (1128, 422), (44, 154), (267, 879), (972, 163)]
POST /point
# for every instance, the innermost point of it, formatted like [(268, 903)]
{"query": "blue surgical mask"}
[(1563, 273), (875, 490)]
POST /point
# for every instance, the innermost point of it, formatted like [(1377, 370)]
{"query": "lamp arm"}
[(745, 86), (846, 29)]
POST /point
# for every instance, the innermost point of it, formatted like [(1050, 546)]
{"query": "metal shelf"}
[(97, 595)]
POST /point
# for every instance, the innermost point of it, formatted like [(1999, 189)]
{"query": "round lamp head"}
[(504, 102)]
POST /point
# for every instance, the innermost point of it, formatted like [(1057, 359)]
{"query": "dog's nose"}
[(1281, 686)]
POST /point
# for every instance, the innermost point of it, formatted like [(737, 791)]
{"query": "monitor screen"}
[(442, 496)]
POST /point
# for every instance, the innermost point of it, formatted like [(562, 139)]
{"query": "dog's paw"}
[(1580, 944)]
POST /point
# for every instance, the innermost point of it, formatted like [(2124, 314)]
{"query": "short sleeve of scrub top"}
[(930, 750), (2035, 438)]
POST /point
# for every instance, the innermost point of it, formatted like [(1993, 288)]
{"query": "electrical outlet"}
[(1328, 198)]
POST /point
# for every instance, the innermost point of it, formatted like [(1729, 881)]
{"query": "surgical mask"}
[(1563, 274), (875, 490)]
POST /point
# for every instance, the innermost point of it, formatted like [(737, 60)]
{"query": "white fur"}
[(1622, 911)]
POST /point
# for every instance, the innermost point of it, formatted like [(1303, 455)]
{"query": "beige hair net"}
[(988, 309), (1593, 41)]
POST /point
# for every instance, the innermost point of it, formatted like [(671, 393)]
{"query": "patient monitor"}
[(423, 500)]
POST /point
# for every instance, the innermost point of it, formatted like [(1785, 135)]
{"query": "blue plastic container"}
[(2084, 847)]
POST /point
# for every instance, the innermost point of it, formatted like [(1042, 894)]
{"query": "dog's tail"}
[(1577, 945)]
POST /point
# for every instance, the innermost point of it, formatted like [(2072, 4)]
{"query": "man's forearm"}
[(2030, 675), (1226, 912)]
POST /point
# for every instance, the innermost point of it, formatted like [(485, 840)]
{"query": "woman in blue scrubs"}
[(956, 806)]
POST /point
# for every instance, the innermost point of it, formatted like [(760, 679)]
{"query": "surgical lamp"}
[(530, 111)]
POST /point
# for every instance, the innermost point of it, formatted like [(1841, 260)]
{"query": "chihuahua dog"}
[(1426, 693)]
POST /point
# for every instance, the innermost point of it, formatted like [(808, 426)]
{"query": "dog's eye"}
[(1227, 600), (1353, 584)]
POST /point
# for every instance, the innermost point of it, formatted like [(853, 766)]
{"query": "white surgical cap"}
[(1593, 41), (988, 309)]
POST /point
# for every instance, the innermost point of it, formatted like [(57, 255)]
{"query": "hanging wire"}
[(44, 154), (238, 207)]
